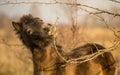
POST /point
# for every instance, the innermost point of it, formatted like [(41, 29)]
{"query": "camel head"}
[(34, 32)]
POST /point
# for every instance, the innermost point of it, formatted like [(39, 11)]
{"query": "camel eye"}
[(29, 31)]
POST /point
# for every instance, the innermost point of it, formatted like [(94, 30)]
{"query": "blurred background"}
[(93, 21)]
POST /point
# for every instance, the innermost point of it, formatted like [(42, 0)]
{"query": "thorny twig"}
[(116, 1), (65, 3)]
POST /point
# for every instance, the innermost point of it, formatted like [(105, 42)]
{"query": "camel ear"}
[(16, 25)]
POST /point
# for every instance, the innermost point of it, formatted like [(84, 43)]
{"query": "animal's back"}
[(103, 64)]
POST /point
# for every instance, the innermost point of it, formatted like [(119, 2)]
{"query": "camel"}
[(38, 37)]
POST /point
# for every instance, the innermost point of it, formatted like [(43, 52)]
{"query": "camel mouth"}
[(52, 31)]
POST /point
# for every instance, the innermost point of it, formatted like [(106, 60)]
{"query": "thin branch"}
[(56, 2), (86, 58), (94, 55), (57, 52), (102, 20), (116, 1)]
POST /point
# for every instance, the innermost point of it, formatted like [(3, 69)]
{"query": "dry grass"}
[(15, 59)]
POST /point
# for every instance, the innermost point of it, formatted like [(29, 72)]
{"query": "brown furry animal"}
[(38, 37)]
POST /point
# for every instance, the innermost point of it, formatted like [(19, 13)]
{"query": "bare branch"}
[(56, 2), (116, 1), (94, 55), (57, 52)]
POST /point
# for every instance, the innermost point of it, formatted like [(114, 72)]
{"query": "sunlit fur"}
[(38, 37)]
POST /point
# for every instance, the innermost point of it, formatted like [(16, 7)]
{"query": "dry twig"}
[(56, 2)]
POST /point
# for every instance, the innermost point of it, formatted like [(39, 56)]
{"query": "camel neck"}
[(43, 58), (43, 55)]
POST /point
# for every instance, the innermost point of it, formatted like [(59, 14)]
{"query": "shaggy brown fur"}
[(38, 37)]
